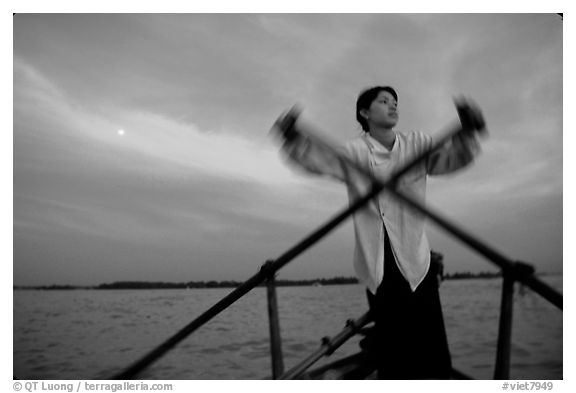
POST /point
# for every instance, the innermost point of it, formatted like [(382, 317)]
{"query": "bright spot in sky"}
[(121, 132)]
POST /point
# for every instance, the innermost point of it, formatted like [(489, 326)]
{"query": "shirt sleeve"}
[(455, 154), (317, 159)]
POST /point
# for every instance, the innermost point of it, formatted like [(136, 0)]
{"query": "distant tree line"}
[(234, 284), (465, 275), (222, 284), (194, 284)]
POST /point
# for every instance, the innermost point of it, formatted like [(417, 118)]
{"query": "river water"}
[(93, 334)]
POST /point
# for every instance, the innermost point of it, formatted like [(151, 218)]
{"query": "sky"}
[(141, 144)]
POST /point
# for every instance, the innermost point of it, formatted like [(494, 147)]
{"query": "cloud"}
[(196, 182), (167, 140), (164, 191)]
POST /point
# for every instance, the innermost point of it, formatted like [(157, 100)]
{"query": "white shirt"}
[(404, 226)]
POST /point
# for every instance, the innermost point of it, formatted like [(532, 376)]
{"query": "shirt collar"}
[(377, 148)]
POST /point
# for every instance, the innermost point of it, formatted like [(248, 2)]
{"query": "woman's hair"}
[(365, 100)]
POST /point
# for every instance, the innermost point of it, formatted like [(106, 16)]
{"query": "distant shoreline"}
[(234, 284)]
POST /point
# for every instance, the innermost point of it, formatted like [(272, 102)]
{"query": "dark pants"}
[(409, 338)]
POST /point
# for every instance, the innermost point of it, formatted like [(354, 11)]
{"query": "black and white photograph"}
[(317, 196)]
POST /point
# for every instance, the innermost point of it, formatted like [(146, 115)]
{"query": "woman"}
[(392, 255)]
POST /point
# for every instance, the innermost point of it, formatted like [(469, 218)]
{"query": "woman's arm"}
[(309, 156), (453, 155), (463, 147)]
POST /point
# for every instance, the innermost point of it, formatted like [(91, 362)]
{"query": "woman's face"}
[(383, 111)]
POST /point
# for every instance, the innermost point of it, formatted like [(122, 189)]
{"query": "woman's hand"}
[(470, 116), (286, 124)]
